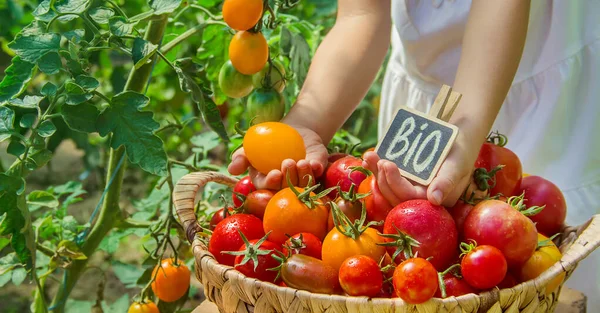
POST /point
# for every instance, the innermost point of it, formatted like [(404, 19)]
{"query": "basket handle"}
[(586, 241), (184, 196)]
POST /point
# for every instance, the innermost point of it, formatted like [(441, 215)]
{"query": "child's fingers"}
[(448, 184), (400, 186), (239, 163), (370, 161), (270, 181), (288, 169), (304, 171), (384, 187)]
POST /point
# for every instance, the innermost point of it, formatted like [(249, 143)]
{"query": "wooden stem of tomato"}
[(110, 212)]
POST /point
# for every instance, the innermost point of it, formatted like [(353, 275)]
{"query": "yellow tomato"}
[(337, 247), (541, 260)]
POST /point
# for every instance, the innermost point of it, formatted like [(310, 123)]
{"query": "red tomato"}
[(430, 225), (459, 213), (509, 281), (341, 174), (360, 276), (241, 190), (256, 202), (307, 273), (219, 216), (508, 178), (336, 156), (542, 192), (304, 243), (455, 287), (483, 267), (255, 259), (496, 223), (376, 205), (415, 280), (225, 237)]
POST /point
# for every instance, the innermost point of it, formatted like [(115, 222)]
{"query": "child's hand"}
[(313, 165)]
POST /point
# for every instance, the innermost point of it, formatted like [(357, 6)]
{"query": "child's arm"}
[(340, 75), (492, 46)]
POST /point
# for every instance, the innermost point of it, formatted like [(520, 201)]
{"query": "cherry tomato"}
[(233, 83), (304, 243), (483, 267), (307, 273), (242, 14), (218, 216), (415, 280), (376, 205), (172, 280), (509, 281), (256, 202), (508, 178), (265, 105), (288, 215), (241, 190), (143, 307), (430, 225), (258, 264), (542, 259), (340, 174), (225, 237), (268, 144), (496, 223), (248, 52), (542, 192), (455, 287), (276, 77), (360, 276), (338, 246), (352, 209)]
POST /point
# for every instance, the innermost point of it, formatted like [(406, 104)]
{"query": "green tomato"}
[(233, 83), (265, 105), (277, 77)]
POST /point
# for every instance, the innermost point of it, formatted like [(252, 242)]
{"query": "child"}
[(527, 69)]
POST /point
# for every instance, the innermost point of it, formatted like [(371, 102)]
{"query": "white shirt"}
[(552, 112)]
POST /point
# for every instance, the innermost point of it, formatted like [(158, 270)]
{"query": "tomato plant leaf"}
[(164, 6), (118, 306), (75, 35), (43, 11), (34, 28), (79, 91), (16, 217), (101, 15), (27, 120), (46, 128), (31, 48), (71, 6), (128, 274), (300, 58), (50, 63), (7, 119), (119, 27), (81, 118), (285, 41), (134, 129), (142, 51), (42, 198), (172, 307), (49, 89), (28, 102), (18, 276), (15, 148), (16, 78)]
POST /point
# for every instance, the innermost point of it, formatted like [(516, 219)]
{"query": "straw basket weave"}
[(233, 292)]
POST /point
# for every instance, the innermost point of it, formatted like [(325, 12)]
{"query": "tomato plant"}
[(361, 276), (415, 280)]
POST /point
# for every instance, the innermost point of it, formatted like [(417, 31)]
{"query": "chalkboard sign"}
[(417, 143)]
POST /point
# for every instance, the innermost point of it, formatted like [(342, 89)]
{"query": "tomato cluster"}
[(250, 72), (344, 237)]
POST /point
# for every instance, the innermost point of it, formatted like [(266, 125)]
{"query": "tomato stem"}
[(403, 243), (485, 180), (518, 202)]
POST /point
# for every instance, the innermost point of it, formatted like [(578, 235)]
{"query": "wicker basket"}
[(233, 292)]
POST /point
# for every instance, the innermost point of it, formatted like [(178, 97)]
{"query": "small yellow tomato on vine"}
[(143, 307), (172, 280)]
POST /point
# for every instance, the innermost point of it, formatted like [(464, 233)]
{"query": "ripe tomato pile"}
[(341, 236), (250, 71)]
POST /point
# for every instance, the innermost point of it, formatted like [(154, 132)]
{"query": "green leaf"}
[(187, 71), (5, 278), (16, 78), (118, 306), (142, 51), (39, 157), (34, 28), (127, 273), (285, 41), (43, 11), (71, 6), (3, 240), (101, 15), (75, 35), (49, 89), (18, 276), (206, 141), (42, 198), (15, 148), (146, 276), (46, 129), (7, 119), (87, 82), (300, 58), (134, 129), (81, 117), (31, 48), (27, 120), (164, 6), (28, 102), (79, 91), (50, 63), (16, 217), (119, 27)]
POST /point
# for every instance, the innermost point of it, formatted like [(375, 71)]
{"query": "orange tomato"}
[(242, 14), (248, 52), (145, 307), (172, 280), (337, 247), (287, 215), (268, 144), (541, 260)]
